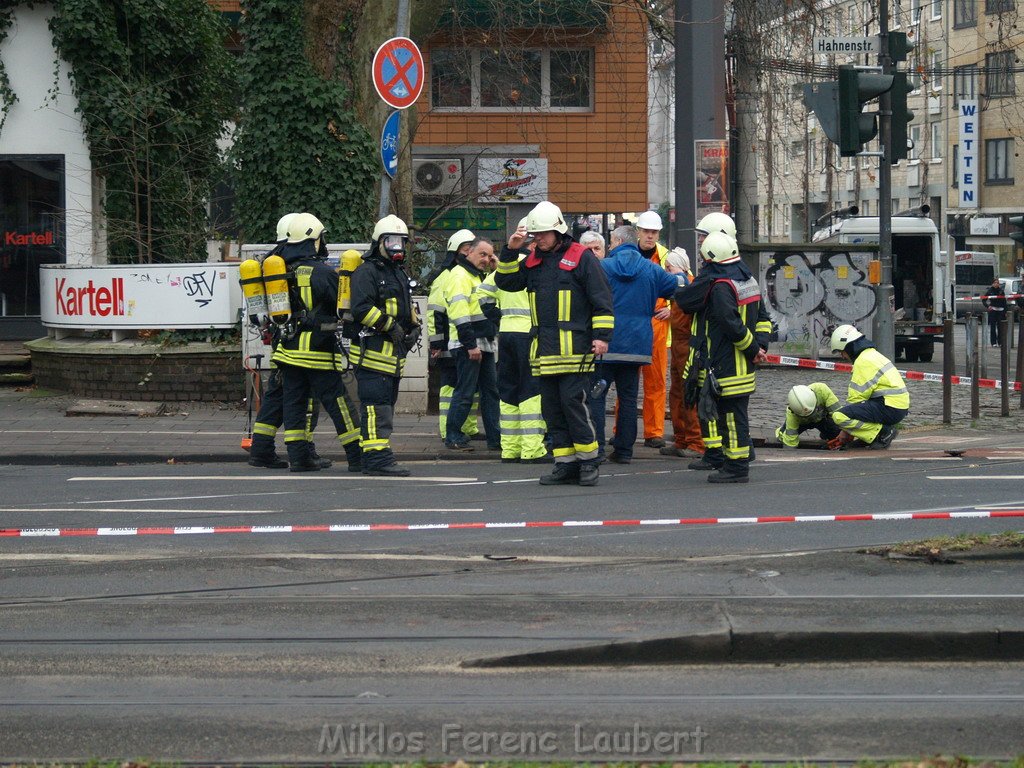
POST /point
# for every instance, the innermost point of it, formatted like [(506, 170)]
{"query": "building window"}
[(936, 71), (956, 166), (865, 207), (897, 14), (32, 208), (866, 16), (914, 150), (852, 18), (937, 9), (999, 161), (915, 11), (965, 82), (999, 6), (999, 74), (936, 141), (965, 14), (507, 80)]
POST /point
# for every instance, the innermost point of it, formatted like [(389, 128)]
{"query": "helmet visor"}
[(393, 244)]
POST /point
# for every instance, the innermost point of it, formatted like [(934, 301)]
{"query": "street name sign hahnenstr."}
[(846, 45)]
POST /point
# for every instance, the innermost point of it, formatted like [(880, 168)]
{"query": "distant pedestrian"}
[(594, 242), (995, 301)]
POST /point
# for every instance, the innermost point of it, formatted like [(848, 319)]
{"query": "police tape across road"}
[(828, 365), (993, 296), (883, 517)]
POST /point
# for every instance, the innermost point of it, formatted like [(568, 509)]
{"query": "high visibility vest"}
[(875, 376)]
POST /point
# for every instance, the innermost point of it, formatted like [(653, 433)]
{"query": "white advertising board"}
[(967, 169), (135, 297), (512, 179)]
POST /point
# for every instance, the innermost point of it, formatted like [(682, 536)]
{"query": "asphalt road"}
[(246, 646)]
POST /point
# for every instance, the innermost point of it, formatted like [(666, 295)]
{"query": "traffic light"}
[(1017, 221), (901, 116), (899, 46), (856, 89), (823, 100)]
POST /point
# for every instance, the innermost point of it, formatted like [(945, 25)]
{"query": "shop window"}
[(31, 227)]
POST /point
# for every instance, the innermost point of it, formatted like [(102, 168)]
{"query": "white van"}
[(973, 272)]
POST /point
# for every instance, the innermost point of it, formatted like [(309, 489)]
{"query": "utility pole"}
[(883, 331)]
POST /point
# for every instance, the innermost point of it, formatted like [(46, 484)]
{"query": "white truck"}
[(921, 277)]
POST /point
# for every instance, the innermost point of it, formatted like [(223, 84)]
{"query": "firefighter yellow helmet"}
[(719, 248), (546, 217), (303, 227), (459, 239), (390, 225), (282, 226), (717, 221), (843, 335), (802, 400)]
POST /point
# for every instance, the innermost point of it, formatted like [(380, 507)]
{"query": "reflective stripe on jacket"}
[(828, 403), (313, 346), (381, 298), (513, 306), (874, 375)]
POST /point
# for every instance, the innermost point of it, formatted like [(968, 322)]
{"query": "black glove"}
[(396, 335), (413, 336)]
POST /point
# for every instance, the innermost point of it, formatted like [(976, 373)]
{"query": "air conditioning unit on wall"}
[(436, 177)]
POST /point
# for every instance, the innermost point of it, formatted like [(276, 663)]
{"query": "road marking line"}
[(188, 498), (975, 477), (407, 509), (796, 459), (257, 478), (81, 510), (927, 458)]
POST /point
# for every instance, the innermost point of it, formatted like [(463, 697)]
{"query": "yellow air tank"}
[(250, 277), (275, 279), (350, 260)]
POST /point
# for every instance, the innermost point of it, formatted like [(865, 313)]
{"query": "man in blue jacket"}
[(637, 284)]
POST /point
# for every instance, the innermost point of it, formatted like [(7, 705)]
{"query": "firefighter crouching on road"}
[(877, 398), (309, 358), (522, 423), (384, 314), (729, 335), (808, 406), (571, 317), (437, 334)]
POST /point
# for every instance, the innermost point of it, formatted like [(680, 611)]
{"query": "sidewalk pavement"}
[(36, 429)]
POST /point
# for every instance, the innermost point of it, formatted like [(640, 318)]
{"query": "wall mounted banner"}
[(967, 168), (147, 296), (512, 179), (711, 162)]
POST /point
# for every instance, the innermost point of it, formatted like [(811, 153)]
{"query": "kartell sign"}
[(151, 296)]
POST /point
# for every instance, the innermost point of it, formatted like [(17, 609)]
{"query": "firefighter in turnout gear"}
[(308, 353), (571, 322), (877, 398), (437, 334), (729, 335), (270, 416), (522, 423), (809, 406), (388, 328)]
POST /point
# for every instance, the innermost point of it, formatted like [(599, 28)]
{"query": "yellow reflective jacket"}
[(874, 375)]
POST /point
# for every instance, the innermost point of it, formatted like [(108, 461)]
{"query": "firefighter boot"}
[(564, 473), (588, 473), (354, 454), (324, 463), (300, 457)]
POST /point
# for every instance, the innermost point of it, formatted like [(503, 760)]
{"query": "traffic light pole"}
[(883, 332)]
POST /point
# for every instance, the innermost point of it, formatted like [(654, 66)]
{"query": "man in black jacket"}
[(388, 328), (572, 323), (729, 335), (995, 302)]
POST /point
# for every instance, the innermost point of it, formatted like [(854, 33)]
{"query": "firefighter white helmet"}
[(648, 220), (459, 239), (303, 227), (389, 225), (716, 221), (719, 248), (802, 400), (843, 335), (282, 226), (546, 217)]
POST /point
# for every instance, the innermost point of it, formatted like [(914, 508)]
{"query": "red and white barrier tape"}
[(997, 296), (408, 527), (829, 365)]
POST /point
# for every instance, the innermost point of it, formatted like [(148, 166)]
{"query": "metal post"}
[(884, 334), (975, 375), (969, 344), (1004, 367), (947, 371), (401, 30), (1020, 356)]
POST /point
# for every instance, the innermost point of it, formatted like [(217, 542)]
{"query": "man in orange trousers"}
[(687, 441), (648, 227)]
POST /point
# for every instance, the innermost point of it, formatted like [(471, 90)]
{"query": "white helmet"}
[(843, 335), (802, 400), (546, 217), (389, 225), (282, 226), (303, 227), (459, 239), (648, 220), (717, 221), (720, 248)]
